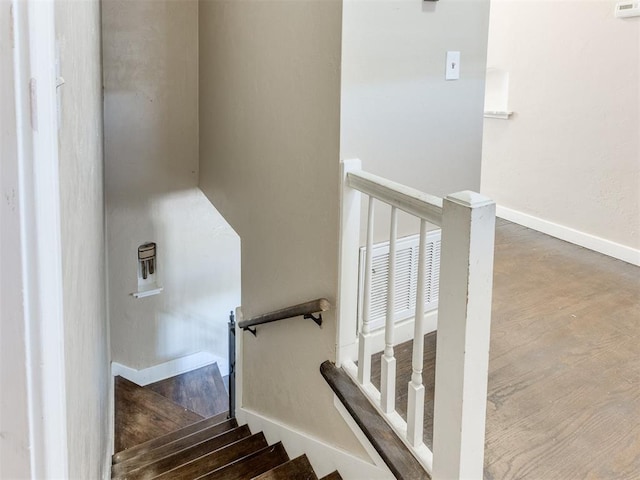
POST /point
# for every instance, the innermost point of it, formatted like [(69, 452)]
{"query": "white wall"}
[(269, 151), (14, 440), (398, 114), (150, 53), (570, 155), (82, 228)]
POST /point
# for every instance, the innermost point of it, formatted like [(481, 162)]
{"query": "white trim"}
[(362, 438), (568, 234), (498, 115), (324, 458), (41, 248), (170, 369)]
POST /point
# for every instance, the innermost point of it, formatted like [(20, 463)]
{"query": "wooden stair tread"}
[(216, 437), (216, 459), (168, 438), (393, 451), (332, 476), (252, 465), (141, 415), (297, 469), (202, 390)]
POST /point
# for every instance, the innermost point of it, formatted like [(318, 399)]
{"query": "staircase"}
[(158, 437)]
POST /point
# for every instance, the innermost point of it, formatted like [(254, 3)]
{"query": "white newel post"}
[(347, 302), (462, 359)]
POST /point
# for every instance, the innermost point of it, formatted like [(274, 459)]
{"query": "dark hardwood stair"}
[(395, 454), (187, 448), (167, 438), (217, 458), (184, 446), (297, 469), (142, 414), (332, 476)]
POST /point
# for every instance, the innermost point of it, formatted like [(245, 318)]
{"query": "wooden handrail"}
[(305, 310)]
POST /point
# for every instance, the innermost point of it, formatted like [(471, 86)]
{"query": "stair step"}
[(297, 469), (393, 451), (142, 414), (217, 436), (216, 459), (251, 465), (332, 476), (202, 390), (169, 437)]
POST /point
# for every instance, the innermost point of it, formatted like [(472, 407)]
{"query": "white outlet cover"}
[(452, 69)]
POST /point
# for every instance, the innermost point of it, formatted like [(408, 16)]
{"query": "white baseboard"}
[(170, 369), (598, 244), (323, 457)]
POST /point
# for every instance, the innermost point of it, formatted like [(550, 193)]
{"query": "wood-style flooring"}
[(197, 391), (564, 379), (145, 413)]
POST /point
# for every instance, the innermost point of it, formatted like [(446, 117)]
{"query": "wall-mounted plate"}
[(628, 9)]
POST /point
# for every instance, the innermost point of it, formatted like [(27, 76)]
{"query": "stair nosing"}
[(128, 465), (277, 445), (125, 455), (256, 436)]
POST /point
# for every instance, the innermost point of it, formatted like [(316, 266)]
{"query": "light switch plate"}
[(452, 70)]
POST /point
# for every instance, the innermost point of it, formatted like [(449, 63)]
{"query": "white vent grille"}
[(407, 253)]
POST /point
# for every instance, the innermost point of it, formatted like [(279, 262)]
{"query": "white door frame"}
[(41, 252)]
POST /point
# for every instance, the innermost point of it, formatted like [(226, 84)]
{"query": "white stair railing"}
[(467, 220)]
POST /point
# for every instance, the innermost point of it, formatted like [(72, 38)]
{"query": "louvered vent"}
[(407, 253)]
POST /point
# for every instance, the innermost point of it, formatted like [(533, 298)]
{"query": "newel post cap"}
[(470, 199)]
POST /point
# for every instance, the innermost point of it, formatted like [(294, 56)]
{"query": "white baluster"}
[(364, 347), (415, 398), (388, 365), (464, 321)]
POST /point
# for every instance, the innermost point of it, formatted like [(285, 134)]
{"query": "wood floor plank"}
[(201, 390), (216, 459), (564, 370), (216, 436), (251, 465), (168, 438), (297, 469), (141, 415)]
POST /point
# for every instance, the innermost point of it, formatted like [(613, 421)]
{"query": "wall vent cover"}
[(406, 278)]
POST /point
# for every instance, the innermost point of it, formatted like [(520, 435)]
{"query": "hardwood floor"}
[(202, 391), (162, 407), (564, 379), (141, 415)]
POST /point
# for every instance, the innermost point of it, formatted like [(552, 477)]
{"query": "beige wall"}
[(14, 421), (151, 154), (571, 153), (398, 114), (269, 148), (83, 246)]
